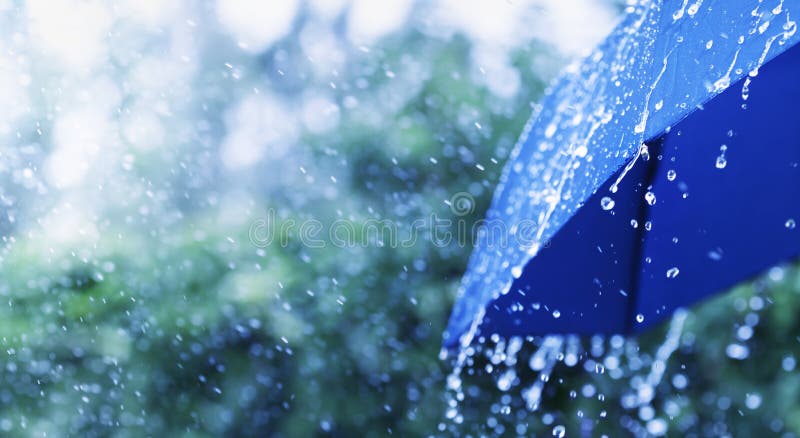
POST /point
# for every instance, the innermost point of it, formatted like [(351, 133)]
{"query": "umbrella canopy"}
[(661, 169)]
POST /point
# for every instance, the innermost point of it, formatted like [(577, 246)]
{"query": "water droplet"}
[(746, 89), (556, 314), (709, 44), (752, 401), (671, 174), (657, 427), (640, 318), (516, 271), (559, 431), (505, 381), (693, 8), (644, 152), (790, 224), (659, 105), (650, 197), (607, 203), (550, 130), (453, 382), (634, 223), (737, 351), (673, 272), (721, 160)]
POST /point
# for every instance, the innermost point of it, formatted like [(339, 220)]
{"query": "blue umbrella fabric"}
[(661, 169)]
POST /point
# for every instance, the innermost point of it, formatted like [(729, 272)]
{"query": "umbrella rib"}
[(638, 243)]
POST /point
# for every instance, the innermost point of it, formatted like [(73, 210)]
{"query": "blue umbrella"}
[(661, 169)]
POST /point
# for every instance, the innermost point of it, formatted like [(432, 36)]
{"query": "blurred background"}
[(140, 141)]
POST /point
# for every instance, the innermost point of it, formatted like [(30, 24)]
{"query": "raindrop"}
[(721, 160), (657, 427), (790, 224), (746, 89), (752, 401), (644, 152), (673, 272), (737, 351), (506, 380), (634, 223), (650, 197), (550, 130), (671, 174), (694, 8), (556, 314), (709, 44), (516, 271), (788, 363), (607, 203), (679, 13), (640, 318), (453, 382), (559, 431), (679, 381)]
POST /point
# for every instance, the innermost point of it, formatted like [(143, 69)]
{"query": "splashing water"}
[(617, 356), (542, 361)]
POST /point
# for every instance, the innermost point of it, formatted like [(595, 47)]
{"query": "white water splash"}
[(542, 361)]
